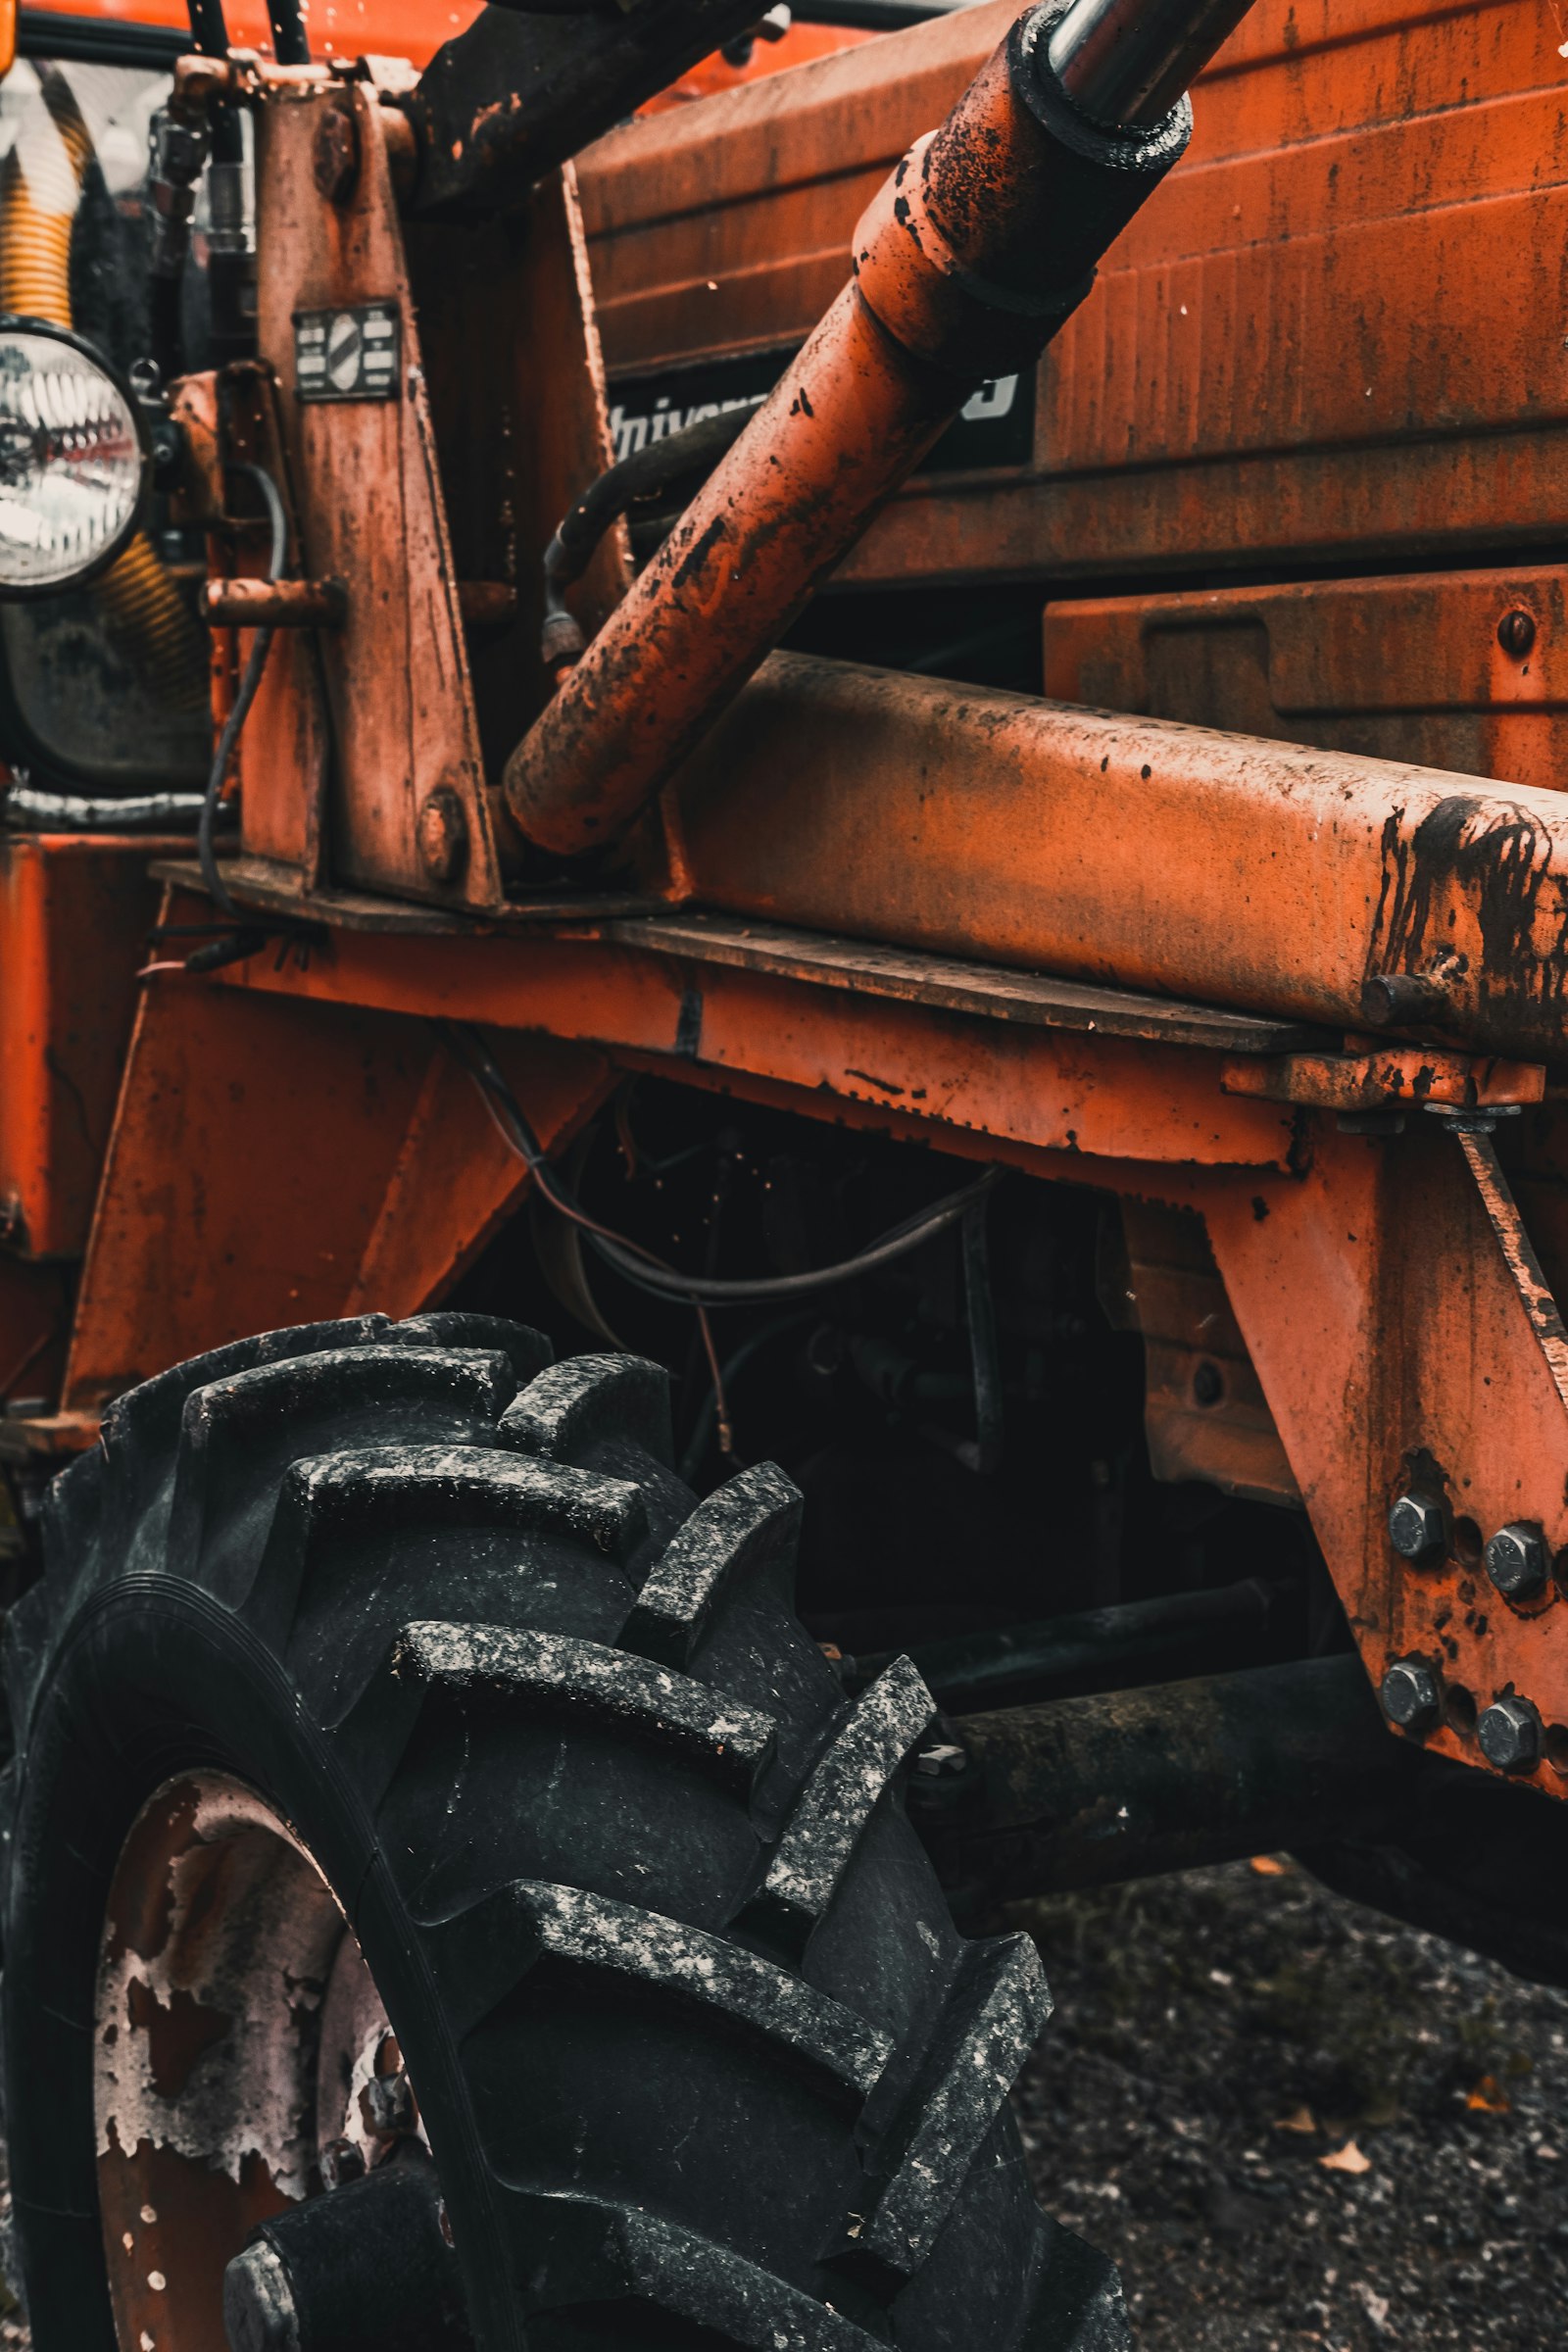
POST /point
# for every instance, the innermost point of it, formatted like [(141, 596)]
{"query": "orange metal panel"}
[(75, 915), (1336, 329), (727, 225), (274, 1162), (1379, 1314), (1043, 1088), (1415, 668), (455, 1180)]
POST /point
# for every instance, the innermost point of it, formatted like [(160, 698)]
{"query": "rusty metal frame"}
[(1376, 1313)]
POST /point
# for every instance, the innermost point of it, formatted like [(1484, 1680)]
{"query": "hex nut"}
[(1516, 1560), (1418, 1529), (1509, 1733), (335, 154), (942, 1759), (441, 837), (1413, 1696)]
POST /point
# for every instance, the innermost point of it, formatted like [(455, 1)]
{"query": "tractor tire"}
[(397, 1649)]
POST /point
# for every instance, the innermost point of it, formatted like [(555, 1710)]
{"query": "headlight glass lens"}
[(70, 462)]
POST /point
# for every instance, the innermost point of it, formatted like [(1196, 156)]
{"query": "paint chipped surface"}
[(222, 1949), (203, 1997)]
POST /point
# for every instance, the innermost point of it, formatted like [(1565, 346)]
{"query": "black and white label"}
[(348, 354), (994, 427)]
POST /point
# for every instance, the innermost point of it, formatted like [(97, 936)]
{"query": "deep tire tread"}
[(682, 1696), (834, 1809), (629, 1948)]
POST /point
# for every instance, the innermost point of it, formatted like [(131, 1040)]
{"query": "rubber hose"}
[(36, 224)]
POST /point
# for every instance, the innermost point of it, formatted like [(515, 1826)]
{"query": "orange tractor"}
[(782, 1111)]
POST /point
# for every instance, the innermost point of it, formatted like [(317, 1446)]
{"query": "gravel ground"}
[(1292, 2124)]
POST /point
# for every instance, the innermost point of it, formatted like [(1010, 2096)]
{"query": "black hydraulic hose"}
[(651, 1273), (657, 466), (250, 680), (182, 145), (291, 43), (209, 31), (702, 1428), (1090, 1648)]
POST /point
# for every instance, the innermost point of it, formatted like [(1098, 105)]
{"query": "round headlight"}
[(73, 459)]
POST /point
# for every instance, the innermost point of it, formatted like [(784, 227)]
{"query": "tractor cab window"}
[(103, 687)]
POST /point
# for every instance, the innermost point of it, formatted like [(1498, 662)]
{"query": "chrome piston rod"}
[(1125, 63)]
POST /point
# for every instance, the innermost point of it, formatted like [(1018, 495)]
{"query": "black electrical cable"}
[(651, 1273), (291, 43), (250, 680), (691, 1461)]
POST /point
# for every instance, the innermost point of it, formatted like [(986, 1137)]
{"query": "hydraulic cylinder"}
[(982, 242)]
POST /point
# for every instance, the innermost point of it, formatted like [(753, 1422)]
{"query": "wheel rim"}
[(238, 2039)]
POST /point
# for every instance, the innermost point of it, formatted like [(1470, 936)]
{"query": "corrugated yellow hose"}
[(38, 201)]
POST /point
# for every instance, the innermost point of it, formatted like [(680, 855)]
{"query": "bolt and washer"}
[(1509, 1733), (1516, 1560), (1413, 1696), (1418, 1529)]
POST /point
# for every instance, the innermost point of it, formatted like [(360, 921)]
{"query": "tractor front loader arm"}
[(978, 248)]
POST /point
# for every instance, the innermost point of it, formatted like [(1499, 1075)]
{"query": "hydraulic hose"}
[(40, 194), (984, 240)]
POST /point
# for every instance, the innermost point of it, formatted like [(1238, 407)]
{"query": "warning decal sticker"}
[(349, 354)]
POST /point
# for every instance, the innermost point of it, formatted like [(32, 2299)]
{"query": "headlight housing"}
[(74, 460)]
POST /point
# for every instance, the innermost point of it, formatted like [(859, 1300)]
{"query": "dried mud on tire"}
[(1197, 2016)]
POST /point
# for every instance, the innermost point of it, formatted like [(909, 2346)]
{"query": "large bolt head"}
[(1418, 1529), (1412, 1698), (258, 2310), (1516, 1560), (1509, 1733)]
